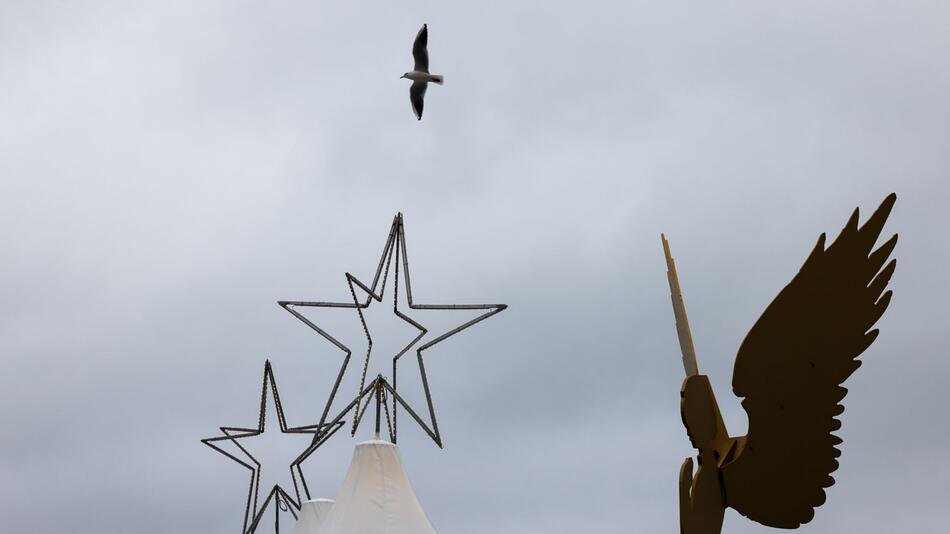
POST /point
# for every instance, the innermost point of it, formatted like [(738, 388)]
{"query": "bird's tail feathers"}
[(438, 78)]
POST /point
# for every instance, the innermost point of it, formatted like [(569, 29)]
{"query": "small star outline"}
[(253, 511)]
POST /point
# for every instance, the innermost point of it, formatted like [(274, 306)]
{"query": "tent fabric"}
[(312, 515), (376, 497)]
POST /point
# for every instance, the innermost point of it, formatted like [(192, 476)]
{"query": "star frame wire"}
[(379, 388), (253, 514), (395, 248)]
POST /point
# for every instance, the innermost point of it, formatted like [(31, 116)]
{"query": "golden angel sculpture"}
[(788, 373)]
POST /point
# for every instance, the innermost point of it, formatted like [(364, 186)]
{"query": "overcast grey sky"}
[(169, 170)]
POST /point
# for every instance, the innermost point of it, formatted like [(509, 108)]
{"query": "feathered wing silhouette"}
[(790, 368), (420, 50), (417, 94)]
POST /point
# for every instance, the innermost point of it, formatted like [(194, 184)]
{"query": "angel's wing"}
[(790, 368)]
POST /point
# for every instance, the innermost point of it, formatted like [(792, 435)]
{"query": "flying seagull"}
[(420, 72)]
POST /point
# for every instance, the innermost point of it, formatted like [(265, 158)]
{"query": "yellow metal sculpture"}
[(789, 372)]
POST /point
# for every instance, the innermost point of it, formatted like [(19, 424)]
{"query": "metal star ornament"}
[(393, 255), (255, 508)]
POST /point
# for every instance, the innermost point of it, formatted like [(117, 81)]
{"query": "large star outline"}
[(394, 254)]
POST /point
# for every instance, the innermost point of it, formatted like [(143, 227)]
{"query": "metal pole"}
[(378, 402)]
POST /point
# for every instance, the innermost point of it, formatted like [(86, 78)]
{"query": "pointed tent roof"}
[(376, 496), (312, 515)]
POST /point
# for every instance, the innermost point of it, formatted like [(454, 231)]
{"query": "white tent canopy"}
[(312, 515), (376, 497)]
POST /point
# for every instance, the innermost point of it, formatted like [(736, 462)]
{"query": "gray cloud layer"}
[(168, 171)]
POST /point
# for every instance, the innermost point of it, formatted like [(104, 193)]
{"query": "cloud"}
[(169, 172)]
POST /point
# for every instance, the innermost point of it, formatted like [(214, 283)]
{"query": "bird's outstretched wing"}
[(789, 371), (417, 93), (419, 51)]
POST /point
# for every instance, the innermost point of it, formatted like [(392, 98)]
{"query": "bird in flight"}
[(420, 72)]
